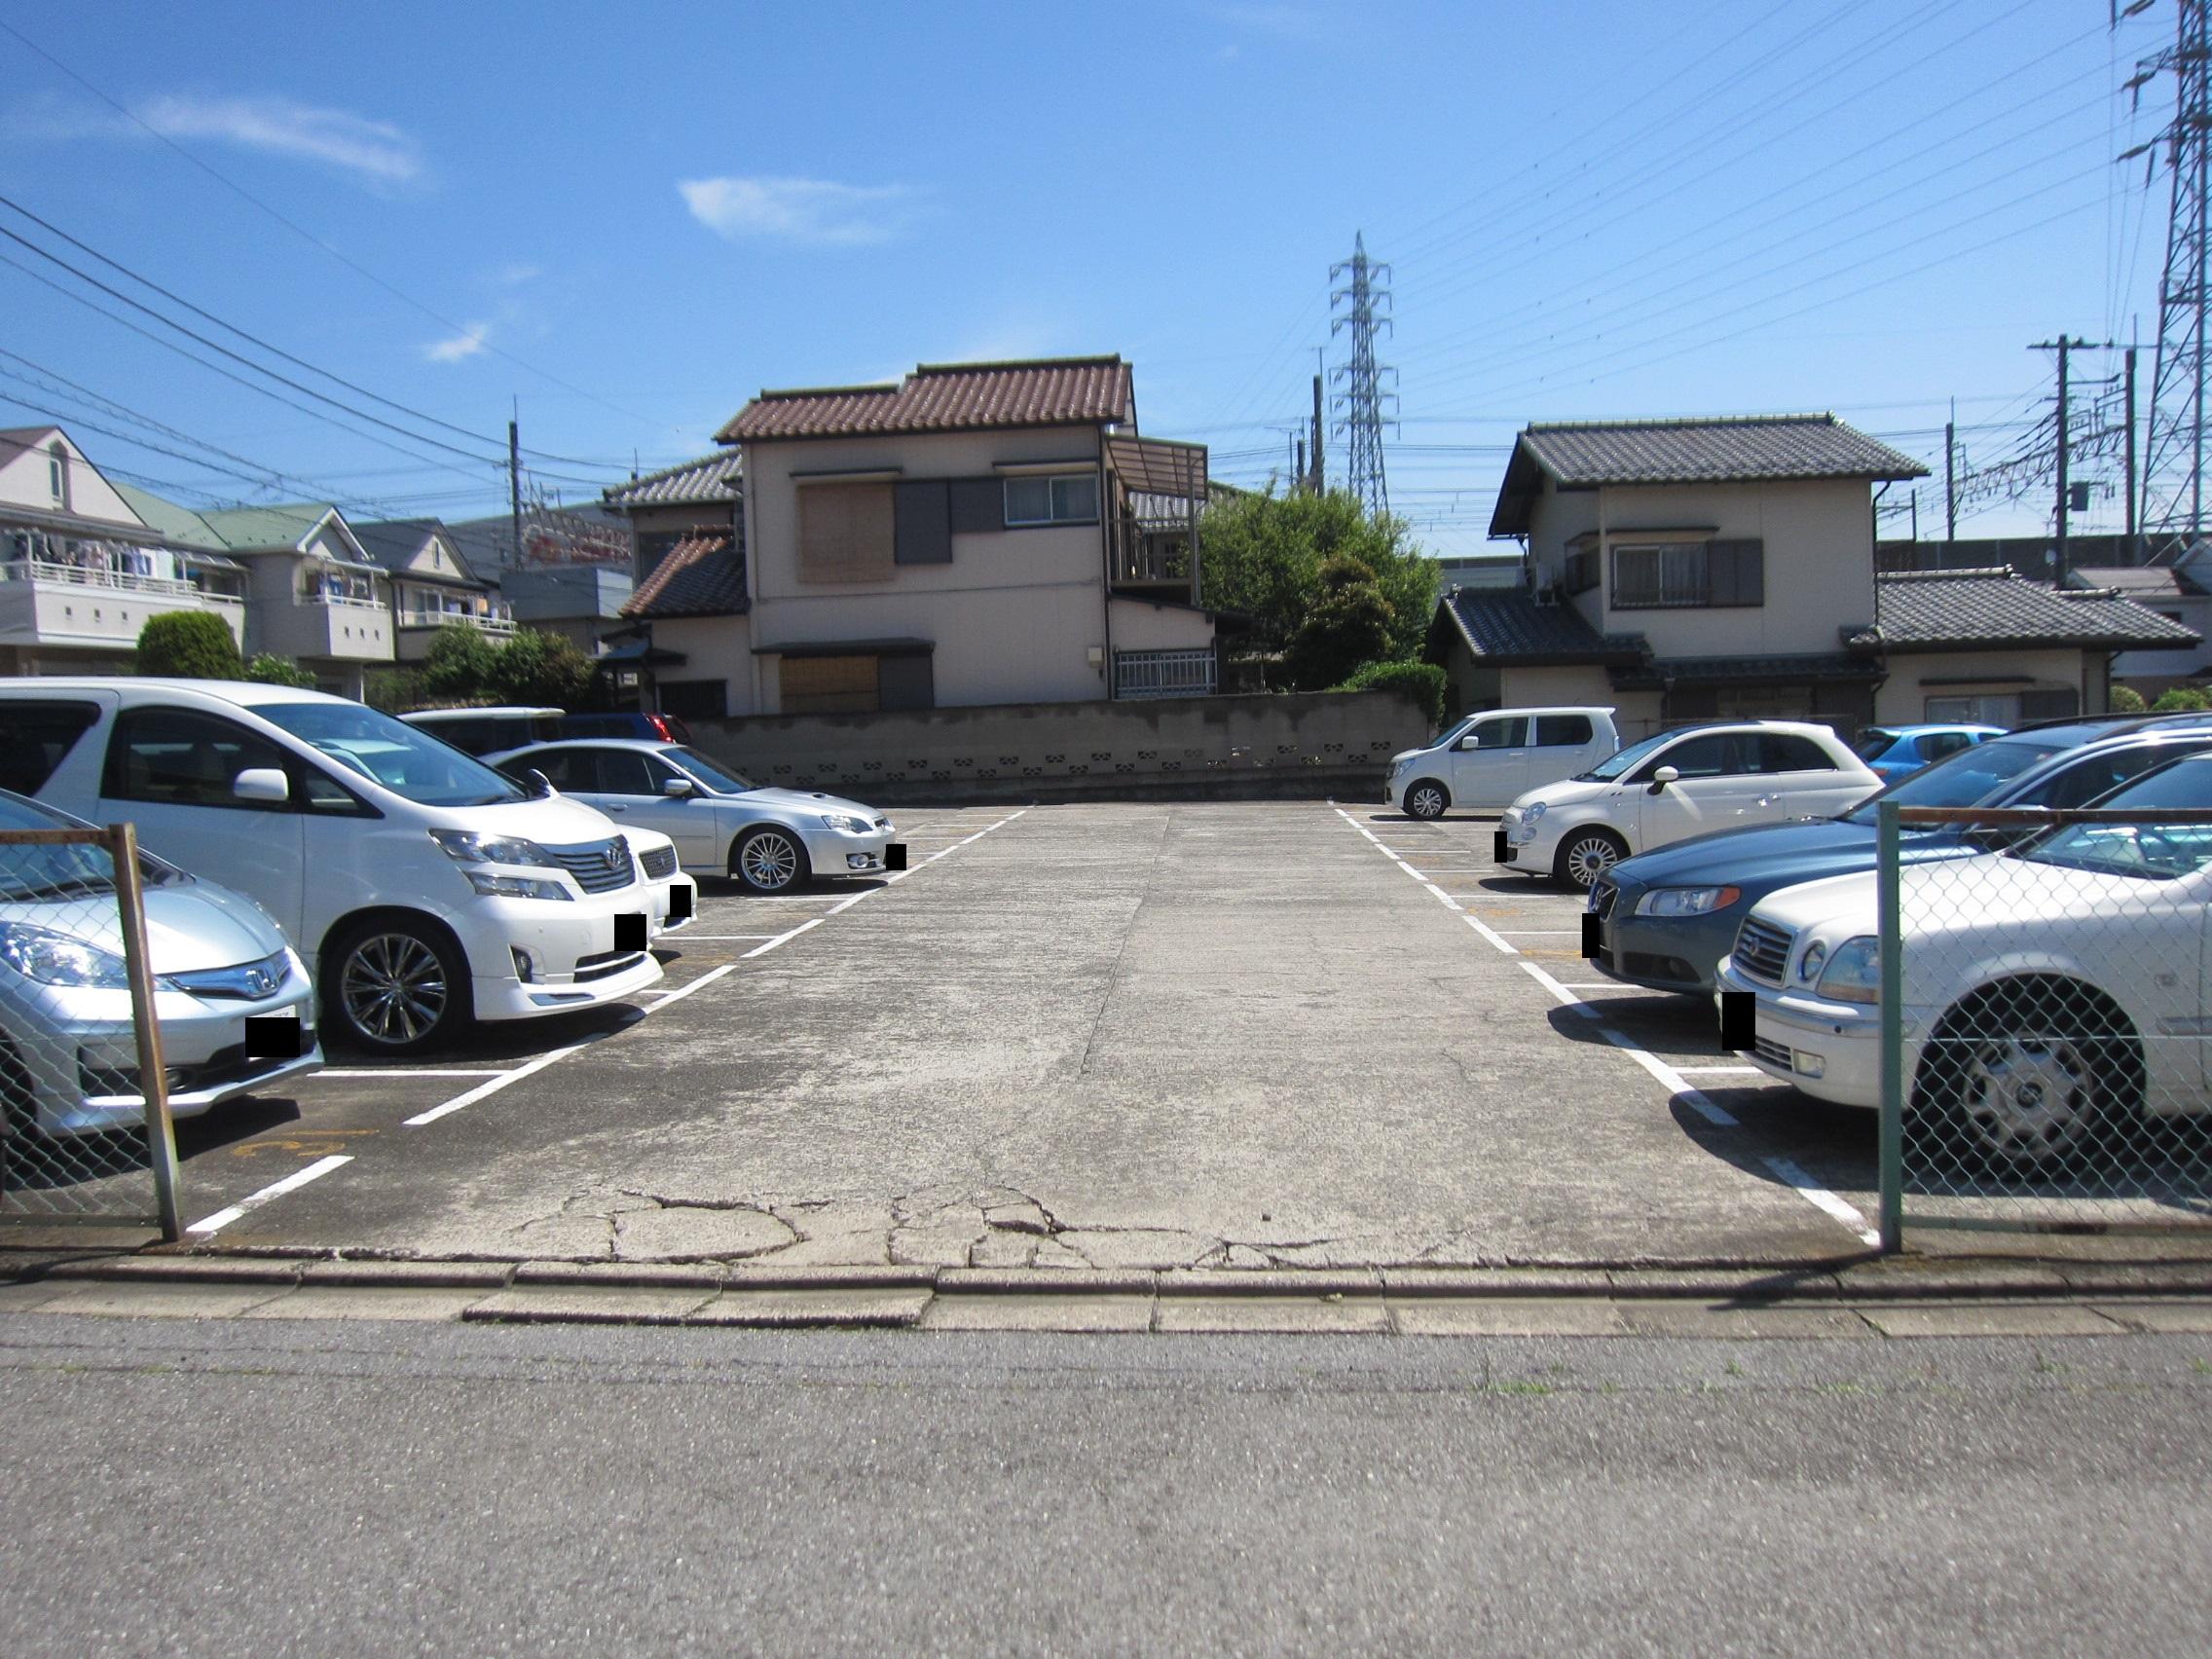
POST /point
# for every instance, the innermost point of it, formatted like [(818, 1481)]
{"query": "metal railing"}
[(2044, 1035), (440, 618), (99, 576), (1184, 673), (84, 1129)]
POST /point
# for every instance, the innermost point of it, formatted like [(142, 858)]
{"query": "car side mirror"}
[(1470, 741), (541, 787), (676, 789), (1664, 776), (264, 783)]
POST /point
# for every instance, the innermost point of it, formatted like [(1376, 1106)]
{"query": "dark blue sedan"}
[(1666, 918)]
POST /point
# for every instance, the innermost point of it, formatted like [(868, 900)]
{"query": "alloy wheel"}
[(1427, 800), (768, 862), (394, 987), (1589, 857)]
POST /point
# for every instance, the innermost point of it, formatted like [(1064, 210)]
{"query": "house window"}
[(1675, 575), (1582, 571), (1071, 499), (861, 683), (57, 474), (845, 533)]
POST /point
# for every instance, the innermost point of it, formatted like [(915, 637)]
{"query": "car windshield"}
[(34, 870), (2151, 852), (715, 775), (1447, 739), (1626, 759), (1875, 744), (408, 761), (1965, 779)]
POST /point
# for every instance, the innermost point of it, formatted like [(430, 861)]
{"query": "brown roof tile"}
[(703, 575), (947, 397)]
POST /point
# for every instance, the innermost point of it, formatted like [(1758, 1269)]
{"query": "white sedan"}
[(768, 839), (1679, 783), (2050, 994)]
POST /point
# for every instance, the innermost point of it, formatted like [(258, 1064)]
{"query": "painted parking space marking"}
[(386, 1073), (299, 1178), (483, 1090), (782, 938), (723, 939)]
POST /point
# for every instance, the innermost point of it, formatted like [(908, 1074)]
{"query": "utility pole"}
[(2134, 534), (2063, 345), (1950, 483), (514, 486), (1320, 481)]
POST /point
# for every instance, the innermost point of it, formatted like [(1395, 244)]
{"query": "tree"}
[(1347, 625), (457, 666), (267, 670), (1263, 555), (188, 644), (2181, 699), (543, 670)]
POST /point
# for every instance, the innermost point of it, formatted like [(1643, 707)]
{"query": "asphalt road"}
[(294, 1487)]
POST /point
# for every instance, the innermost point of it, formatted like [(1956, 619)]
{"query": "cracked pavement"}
[(1152, 1036)]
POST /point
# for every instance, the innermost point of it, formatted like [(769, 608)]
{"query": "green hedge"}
[(1420, 684)]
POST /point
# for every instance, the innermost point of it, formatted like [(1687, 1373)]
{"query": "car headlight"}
[(1529, 814), (56, 959), (470, 846), (846, 822), (1687, 900), (515, 886), (1854, 970)]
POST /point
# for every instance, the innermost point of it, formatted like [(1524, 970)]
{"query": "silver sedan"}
[(722, 824)]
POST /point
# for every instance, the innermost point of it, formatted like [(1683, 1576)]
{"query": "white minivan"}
[(1492, 758), (424, 888)]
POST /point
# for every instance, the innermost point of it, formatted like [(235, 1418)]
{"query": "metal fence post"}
[(1890, 947), (153, 1076)]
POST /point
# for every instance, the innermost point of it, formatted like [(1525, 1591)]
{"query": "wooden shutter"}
[(845, 533), (923, 535), (829, 685), (1735, 572), (978, 506)]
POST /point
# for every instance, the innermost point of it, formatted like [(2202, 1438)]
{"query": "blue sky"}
[(631, 221)]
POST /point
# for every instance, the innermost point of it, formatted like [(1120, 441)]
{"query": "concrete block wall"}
[(1296, 745)]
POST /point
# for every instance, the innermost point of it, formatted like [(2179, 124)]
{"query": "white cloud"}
[(813, 211), (1302, 24), (466, 344), (374, 149)]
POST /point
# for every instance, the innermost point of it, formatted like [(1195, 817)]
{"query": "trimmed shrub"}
[(457, 666), (188, 644), (542, 670), (267, 670), (1420, 684), (2127, 700), (2181, 700)]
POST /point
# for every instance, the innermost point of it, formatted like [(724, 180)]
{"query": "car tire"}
[(2029, 1075), (394, 985), (1587, 854), (769, 859), (1426, 800)]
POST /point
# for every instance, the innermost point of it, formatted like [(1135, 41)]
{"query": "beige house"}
[(432, 585), (1700, 569), (81, 570), (977, 533)]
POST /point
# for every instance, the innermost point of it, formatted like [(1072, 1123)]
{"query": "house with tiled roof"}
[(1684, 569), (973, 534), (2181, 593), (433, 585)]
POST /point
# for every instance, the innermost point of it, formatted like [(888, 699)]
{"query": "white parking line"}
[(1541, 932), (688, 986), (315, 1171), (779, 939), (405, 1071), (469, 1097), (725, 938)]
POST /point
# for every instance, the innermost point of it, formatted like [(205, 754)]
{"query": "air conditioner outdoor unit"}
[(1547, 595)]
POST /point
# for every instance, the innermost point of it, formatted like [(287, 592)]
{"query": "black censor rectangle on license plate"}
[(630, 931), (1498, 850), (273, 1037), (1739, 1012), (680, 903), (895, 856), (1593, 937)]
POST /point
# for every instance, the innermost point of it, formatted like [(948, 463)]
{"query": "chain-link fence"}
[(85, 1133), (2045, 1030)]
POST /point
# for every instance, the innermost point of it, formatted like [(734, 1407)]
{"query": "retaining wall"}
[(1304, 744)]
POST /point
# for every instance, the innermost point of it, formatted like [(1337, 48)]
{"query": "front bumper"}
[(531, 957), (842, 853), (1672, 954), (1831, 1050), (78, 1052)]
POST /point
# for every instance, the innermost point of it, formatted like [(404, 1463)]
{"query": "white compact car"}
[(722, 824), (2050, 993), (1491, 758), (68, 1043), (1679, 783), (426, 888)]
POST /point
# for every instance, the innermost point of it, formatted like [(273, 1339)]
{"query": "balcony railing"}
[(102, 576), (439, 619), (1182, 673), (344, 601)]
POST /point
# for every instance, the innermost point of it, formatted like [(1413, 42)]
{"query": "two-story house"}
[(1685, 570), (2181, 592), (977, 534), (432, 585), (81, 570)]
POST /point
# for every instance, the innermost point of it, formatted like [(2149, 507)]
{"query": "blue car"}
[(1900, 751), (1666, 918)]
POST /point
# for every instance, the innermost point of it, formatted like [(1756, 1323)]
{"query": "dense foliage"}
[(464, 667), (1262, 556), (2127, 700), (267, 670), (1423, 684), (2181, 699), (188, 644), (1346, 623)]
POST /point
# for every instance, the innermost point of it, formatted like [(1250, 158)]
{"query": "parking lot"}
[(1129, 1035)]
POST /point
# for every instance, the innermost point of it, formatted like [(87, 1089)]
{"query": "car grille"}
[(1762, 951), (247, 981), (658, 863), (1602, 900), (598, 867), (1777, 1053)]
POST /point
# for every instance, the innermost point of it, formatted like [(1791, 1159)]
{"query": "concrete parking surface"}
[(1129, 1035)]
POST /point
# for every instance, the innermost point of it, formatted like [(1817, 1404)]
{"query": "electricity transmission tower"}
[(2173, 486), (1362, 399)]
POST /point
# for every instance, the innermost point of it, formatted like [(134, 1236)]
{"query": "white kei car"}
[(2052, 993), (1666, 788), (768, 839)]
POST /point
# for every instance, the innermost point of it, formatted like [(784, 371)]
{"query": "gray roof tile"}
[(1508, 625), (1920, 611), (710, 478)]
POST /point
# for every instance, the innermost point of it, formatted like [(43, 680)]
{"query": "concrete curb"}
[(1905, 1280)]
